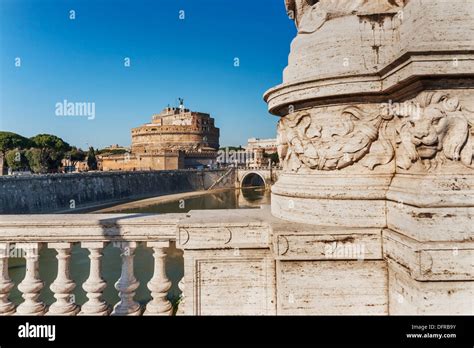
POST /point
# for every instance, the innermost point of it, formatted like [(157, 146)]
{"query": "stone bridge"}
[(258, 176), (372, 214)]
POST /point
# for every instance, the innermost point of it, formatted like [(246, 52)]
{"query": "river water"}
[(143, 261)]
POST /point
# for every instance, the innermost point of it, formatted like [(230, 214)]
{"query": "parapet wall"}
[(63, 192)]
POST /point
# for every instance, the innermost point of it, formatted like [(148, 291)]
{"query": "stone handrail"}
[(93, 232)]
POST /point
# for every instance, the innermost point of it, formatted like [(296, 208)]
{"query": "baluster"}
[(159, 284), (63, 285), (127, 283), (6, 306), (181, 306), (31, 284), (95, 285)]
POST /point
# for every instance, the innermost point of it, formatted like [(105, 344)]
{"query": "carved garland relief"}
[(431, 129)]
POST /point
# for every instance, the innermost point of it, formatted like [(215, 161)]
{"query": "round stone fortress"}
[(176, 138), (177, 129)]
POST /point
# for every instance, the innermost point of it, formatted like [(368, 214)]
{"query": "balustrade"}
[(95, 285), (63, 286), (31, 284), (6, 306), (181, 305), (159, 285), (127, 283)]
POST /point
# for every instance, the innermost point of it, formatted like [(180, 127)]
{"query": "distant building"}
[(268, 145), (68, 166), (260, 148), (176, 138), (115, 147)]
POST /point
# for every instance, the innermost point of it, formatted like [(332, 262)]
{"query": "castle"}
[(176, 138)]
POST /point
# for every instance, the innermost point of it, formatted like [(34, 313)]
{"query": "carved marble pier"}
[(377, 133)]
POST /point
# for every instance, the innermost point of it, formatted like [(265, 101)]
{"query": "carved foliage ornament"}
[(303, 142), (432, 128), (310, 15)]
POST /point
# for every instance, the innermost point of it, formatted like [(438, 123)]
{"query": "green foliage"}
[(111, 151), (53, 150), (232, 148), (42, 153), (91, 159), (50, 142), (273, 157), (10, 141), (34, 157), (16, 159), (75, 155), (51, 159)]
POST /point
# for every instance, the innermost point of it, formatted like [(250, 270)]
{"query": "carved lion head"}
[(433, 128)]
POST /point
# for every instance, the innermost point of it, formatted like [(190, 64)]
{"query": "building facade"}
[(259, 149), (268, 145), (176, 138)]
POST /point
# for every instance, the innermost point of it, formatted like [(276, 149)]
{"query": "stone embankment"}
[(70, 192)]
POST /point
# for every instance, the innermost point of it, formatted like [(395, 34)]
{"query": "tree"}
[(10, 141), (111, 151), (273, 157), (35, 162), (42, 153), (49, 141), (91, 159), (75, 155), (52, 149), (52, 159), (16, 159)]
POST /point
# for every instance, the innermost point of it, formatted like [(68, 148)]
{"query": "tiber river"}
[(143, 261)]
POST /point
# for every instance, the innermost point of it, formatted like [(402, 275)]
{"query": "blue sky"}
[(82, 60)]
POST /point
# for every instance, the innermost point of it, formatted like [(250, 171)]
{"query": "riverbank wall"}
[(74, 191)]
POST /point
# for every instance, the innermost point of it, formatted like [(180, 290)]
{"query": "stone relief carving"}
[(310, 15), (432, 128), (303, 142)]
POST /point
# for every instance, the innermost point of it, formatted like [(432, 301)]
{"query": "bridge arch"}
[(252, 178), (265, 176)]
